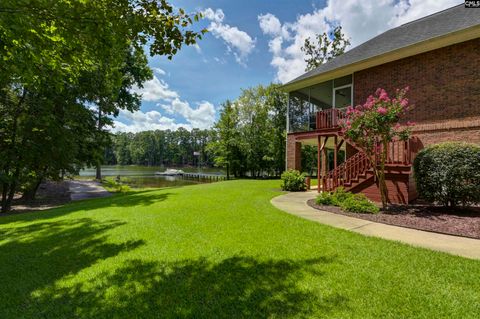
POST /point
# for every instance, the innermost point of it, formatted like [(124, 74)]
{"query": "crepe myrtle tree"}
[(372, 125)]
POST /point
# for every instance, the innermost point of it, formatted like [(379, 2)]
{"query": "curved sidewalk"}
[(296, 204)]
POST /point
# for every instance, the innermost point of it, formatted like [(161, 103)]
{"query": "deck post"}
[(324, 164), (335, 153), (319, 169)]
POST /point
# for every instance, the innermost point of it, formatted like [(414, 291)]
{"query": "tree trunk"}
[(9, 188), (5, 188), (29, 194), (228, 171), (381, 176), (8, 203), (98, 174)]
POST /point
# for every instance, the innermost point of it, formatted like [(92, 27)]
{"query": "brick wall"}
[(444, 87), (294, 153)]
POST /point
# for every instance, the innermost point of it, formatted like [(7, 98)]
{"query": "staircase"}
[(357, 169), (354, 171)]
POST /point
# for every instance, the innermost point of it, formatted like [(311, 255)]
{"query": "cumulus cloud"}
[(361, 20), (239, 42), (156, 89), (140, 121), (202, 116)]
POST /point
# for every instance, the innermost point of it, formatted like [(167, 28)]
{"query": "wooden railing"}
[(401, 152), (329, 118), (398, 153), (348, 171)]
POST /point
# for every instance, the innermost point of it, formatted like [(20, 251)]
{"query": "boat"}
[(170, 172)]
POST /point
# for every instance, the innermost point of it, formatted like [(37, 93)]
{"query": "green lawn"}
[(217, 251)]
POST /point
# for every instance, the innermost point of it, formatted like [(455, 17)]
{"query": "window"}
[(342, 96)]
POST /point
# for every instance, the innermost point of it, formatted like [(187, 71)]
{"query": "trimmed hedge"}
[(449, 173), (293, 181)]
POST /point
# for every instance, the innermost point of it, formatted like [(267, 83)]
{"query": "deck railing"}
[(329, 118), (346, 172), (399, 153)]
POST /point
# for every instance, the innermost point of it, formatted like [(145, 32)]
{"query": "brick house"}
[(438, 56)]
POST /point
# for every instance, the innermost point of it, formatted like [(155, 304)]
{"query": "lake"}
[(144, 176)]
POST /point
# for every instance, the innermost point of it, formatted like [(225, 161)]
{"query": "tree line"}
[(248, 139), (161, 148)]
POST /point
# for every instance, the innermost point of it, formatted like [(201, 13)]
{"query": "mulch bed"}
[(459, 222)]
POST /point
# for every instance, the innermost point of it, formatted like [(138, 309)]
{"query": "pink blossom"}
[(369, 103), (404, 103), (397, 126), (410, 123), (382, 110), (383, 95)]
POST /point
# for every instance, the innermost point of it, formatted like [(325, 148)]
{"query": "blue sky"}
[(253, 42)]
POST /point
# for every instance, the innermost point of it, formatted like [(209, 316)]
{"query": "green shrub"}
[(293, 181), (115, 187), (324, 198), (359, 203), (355, 203), (340, 195), (449, 173)]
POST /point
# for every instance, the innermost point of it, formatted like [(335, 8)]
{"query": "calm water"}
[(143, 176)]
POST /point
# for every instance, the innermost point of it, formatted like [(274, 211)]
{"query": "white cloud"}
[(140, 121), (270, 24), (159, 71), (197, 48), (155, 89), (203, 116), (220, 60), (361, 20), (237, 41)]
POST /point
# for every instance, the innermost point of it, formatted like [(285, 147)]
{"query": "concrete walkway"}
[(86, 189), (296, 204)]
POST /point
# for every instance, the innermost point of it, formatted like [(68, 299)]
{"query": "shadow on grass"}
[(35, 256), (237, 287), (130, 199), (49, 270)]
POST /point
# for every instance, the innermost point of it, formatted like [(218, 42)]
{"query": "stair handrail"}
[(351, 169)]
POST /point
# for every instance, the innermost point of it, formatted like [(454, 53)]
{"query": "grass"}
[(217, 250)]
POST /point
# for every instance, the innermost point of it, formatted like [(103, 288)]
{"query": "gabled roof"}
[(437, 25)]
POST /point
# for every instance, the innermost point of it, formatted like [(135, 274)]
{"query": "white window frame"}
[(342, 87)]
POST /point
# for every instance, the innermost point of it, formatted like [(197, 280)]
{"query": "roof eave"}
[(404, 52)]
